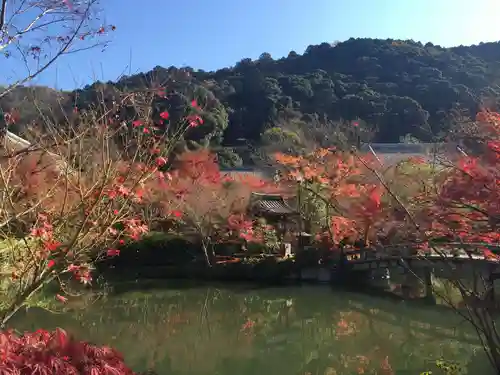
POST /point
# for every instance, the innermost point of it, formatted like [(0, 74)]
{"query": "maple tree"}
[(455, 205), (340, 203), (464, 209), (357, 204), (75, 199), (457, 211), (205, 204), (466, 206)]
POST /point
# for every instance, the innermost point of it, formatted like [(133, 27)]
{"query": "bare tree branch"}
[(3, 10), (48, 14)]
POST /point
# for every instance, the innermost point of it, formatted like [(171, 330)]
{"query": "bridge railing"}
[(453, 249)]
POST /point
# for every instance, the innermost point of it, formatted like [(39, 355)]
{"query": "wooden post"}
[(429, 294), (491, 284), (339, 272)]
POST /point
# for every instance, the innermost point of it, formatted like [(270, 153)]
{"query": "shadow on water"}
[(190, 328), (184, 284)]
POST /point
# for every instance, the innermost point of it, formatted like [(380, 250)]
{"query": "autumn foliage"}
[(360, 205), (339, 183), (466, 207), (433, 208), (76, 197), (54, 353), (197, 200), (106, 183)]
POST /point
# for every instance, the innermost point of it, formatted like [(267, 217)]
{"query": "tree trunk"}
[(10, 311)]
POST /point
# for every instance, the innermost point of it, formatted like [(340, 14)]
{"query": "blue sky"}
[(211, 34)]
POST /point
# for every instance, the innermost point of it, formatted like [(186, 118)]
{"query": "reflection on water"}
[(300, 330)]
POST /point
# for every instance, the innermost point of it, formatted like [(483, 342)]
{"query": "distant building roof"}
[(270, 204), (238, 173), (394, 153), (401, 148), (14, 142)]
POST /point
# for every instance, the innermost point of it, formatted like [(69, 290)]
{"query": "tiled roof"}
[(272, 204), (274, 207)]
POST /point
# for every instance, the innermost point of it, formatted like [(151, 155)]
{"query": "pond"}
[(196, 329)]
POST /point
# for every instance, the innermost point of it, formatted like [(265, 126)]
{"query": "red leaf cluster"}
[(54, 353), (197, 197), (339, 181), (467, 206), (462, 205)]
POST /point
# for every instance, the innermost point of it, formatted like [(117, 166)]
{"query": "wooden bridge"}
[(450, 261), (405, 256), (434, 262)]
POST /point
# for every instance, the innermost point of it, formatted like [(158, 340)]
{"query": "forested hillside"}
[(389, 89)]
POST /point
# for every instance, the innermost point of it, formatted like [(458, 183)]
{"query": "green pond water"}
[(181, 329)]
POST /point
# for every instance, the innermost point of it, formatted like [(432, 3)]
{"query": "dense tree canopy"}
[(393, 88)]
